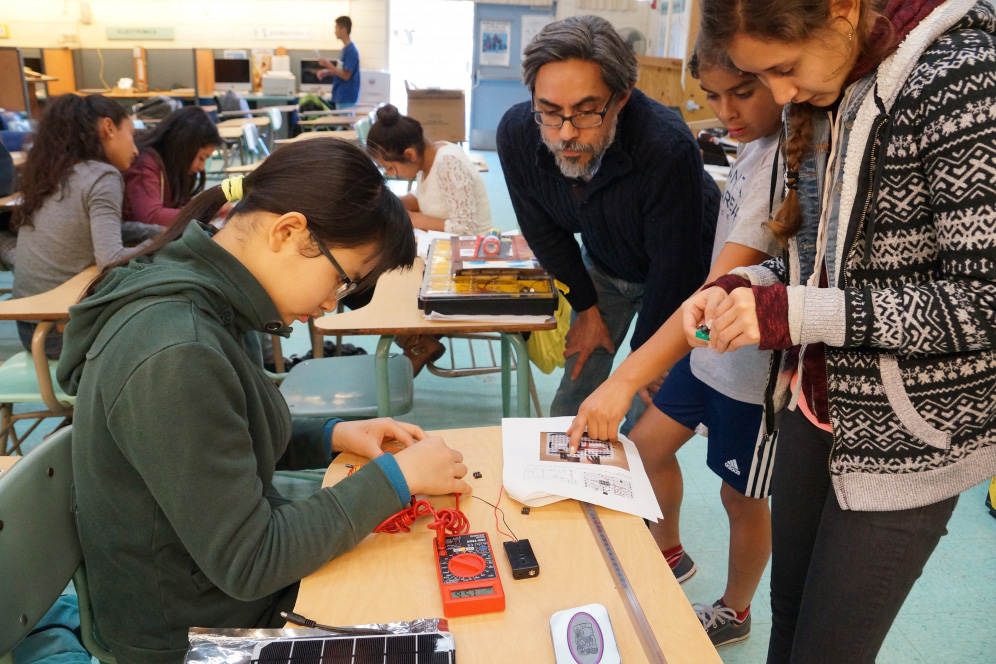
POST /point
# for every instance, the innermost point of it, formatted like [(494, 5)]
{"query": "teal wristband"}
[(327, 437), (390, 466)]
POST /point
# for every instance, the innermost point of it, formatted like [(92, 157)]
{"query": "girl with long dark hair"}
[(169, 170), (71, 187)]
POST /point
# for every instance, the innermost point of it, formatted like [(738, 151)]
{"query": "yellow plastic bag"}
[(546, 347)]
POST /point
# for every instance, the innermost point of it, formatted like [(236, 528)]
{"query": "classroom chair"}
[(346, 387), (27, 377), (276, 124), (362, 129), (252, 144), (40, 549), (482, 344)]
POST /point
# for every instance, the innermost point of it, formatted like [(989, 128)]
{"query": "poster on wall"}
[(531, 25), (262, 62), (494, 43)]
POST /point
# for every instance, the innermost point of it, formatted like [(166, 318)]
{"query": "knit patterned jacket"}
[(908, 239)]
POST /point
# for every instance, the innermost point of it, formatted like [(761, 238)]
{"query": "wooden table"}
[(18, 158), (394, 310), (345, 134), (393, 577)]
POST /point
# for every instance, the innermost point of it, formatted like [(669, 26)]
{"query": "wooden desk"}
[(242, 169), (328, 121), (19, 158), (7, 461), (394, 310), (51, 305), (240, 122), (249, 168), (232, 129), (478, 161), (47, 309), (393, 577), (346, 135), (263, 110), (128, 94), (359, 109)]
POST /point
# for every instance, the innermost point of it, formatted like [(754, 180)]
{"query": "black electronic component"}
[(477, 475), (521, 559), (525, 510)]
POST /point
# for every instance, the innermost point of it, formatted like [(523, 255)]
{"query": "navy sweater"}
[(647, 216)]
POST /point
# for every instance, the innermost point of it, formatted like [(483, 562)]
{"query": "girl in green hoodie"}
[(178, 430)]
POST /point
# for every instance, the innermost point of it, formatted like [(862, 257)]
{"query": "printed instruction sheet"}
[(539, 470)]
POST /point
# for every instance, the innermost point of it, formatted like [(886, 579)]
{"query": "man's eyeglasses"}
[(348, 285), (586, 120)]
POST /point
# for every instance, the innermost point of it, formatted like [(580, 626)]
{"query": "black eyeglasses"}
[(348, 285), (586, 120)]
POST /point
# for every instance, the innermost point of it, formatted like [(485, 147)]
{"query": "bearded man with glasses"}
[(591, 154)]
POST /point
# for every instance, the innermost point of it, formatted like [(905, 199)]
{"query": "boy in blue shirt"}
[(345, 79)]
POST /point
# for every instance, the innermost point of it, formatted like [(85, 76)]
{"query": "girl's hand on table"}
[(367, 437)]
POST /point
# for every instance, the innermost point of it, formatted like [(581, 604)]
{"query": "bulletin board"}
[(13, 87)]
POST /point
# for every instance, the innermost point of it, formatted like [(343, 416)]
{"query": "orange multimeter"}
[(468, 577)]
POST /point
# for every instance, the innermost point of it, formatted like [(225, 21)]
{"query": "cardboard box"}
[(441, 113)]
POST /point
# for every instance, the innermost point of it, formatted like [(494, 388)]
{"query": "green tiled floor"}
[(950, 617)]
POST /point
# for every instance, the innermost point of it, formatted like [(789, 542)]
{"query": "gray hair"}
[(588, 38)]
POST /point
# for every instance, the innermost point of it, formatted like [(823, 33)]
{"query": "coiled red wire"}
[(447, 521)]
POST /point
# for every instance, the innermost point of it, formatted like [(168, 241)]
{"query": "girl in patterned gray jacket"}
[(885, 309)]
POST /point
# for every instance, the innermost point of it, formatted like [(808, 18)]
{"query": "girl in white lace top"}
[(450, 194)]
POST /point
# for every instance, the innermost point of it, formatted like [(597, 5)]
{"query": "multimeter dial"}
[(466, 565)]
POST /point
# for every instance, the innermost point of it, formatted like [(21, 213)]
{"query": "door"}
[(497, 75)]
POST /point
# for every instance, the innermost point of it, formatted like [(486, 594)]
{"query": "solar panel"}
[(428, 648)]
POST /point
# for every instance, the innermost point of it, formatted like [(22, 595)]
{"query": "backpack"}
[(232, 101), (155, 108), (311, 102)]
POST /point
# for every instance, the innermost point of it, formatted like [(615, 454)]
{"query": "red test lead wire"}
[(447, 521)]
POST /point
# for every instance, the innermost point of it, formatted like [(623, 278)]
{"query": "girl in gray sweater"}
[(72, 190)]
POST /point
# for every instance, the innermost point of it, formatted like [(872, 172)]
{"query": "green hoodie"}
[(176, 436)]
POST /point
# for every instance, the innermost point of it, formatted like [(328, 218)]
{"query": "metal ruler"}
[(633, 608)]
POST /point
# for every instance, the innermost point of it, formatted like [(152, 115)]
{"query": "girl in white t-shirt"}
[(450, 195), (723, 392)]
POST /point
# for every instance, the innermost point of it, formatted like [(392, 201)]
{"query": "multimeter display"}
[(471, 592), (468, 577)]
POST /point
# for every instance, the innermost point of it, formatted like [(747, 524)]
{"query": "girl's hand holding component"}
[(431, 467), (734, 322)]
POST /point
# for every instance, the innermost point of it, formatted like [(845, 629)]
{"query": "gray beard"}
[(571, 167)]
